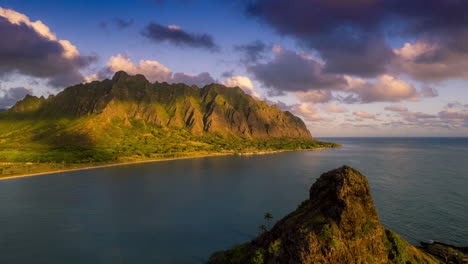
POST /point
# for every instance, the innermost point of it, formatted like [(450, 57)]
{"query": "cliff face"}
[(337, 224), (213, 108)]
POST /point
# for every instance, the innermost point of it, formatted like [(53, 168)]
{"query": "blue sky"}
[(324, 61)]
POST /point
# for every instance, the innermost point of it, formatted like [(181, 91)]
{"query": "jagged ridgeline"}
[(337, 224), (128, 116)]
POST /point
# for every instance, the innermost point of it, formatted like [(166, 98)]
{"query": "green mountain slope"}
[(128, 118)]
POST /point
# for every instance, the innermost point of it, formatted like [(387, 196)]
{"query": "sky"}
[(348, 68)]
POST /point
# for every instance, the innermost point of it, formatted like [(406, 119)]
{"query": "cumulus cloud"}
[(396, 108), (179, 37), (386, 89), (31, 48), (363, 114), (429, 61), (344, 33), (244, 83), (307, 111), (349, 35), (332, 108), (315, 96), (8, 97), (304, 76), (293, 72), (153, 70)]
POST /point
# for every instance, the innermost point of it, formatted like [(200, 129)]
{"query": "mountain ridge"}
[(213, 108), (127, 118)]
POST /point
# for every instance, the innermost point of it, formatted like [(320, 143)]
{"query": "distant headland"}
[(129, 119)]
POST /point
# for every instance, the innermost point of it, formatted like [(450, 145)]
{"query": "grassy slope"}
[(33, 146)]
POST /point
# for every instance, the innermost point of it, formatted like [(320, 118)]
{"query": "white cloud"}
[(91, 78), (70, 51), (242, 82), (30, 48), (153, 70)]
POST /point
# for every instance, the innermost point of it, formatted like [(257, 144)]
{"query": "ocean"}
[(181, 211)]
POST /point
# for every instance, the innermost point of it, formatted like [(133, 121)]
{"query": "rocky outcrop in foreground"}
[(337, 224), (447, 253)]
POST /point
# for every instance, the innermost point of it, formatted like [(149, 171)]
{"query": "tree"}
[(268, 217)]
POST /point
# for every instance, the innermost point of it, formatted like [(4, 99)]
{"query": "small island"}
[(337, 224), (128, 119)]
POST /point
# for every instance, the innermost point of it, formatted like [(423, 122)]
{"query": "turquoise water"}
[(181, 211)]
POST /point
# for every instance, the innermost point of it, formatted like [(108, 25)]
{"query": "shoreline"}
[(155, 160)]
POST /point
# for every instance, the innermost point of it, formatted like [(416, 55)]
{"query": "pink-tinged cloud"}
[(307, 111), (426, 60), (387, 88), (314, 96), (307, 79), (454, 114), (351, 36), (332, 108), (174, 27), (396, 108), (153, 70), (31, 48), (363, 114)]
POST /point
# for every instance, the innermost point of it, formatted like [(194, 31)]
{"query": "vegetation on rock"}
[(337, 224)]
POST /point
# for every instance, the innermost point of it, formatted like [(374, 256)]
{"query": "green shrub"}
[(396, 247), (275, 247), (325, 232), (259, 257)]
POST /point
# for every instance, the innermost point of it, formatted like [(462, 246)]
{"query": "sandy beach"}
[(147, 161)]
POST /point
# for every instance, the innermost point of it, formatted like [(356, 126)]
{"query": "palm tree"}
[(268, 217)]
